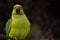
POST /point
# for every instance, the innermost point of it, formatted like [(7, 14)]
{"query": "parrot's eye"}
[(17, 9)]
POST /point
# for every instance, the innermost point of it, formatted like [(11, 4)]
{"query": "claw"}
[(14, 38), (9, 39)]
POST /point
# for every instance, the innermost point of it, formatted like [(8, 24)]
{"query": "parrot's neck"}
[(16, 16)]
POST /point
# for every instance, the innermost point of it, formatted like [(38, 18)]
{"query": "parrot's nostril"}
[(17, 9)]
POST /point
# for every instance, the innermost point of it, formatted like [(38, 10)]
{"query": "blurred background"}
[(43, 15)]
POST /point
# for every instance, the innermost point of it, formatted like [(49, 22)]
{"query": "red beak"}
[(17, 9)]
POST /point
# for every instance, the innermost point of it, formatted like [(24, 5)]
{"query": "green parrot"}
[(18, 26)]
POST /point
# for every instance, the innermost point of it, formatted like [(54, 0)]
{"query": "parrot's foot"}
[(14, 38), (9, 39)]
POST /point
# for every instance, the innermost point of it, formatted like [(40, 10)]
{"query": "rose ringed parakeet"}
[(18, 26)]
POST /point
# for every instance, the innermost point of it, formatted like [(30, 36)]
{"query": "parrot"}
[(18, 25)]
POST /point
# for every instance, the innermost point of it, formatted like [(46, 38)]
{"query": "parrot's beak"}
[(17, 9)]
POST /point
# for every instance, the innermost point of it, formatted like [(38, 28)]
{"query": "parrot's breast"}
[(20, 27)]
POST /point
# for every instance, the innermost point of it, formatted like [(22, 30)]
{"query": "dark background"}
[(43, 15)]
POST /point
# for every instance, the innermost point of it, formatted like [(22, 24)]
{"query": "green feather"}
[(8, 27)]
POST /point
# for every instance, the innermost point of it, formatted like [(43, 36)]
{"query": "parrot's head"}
[(17, 9)]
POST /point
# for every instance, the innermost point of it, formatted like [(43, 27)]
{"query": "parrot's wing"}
[(8, 27), (25, 16)]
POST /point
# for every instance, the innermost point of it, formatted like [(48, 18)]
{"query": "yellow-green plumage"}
[(19, 26)]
